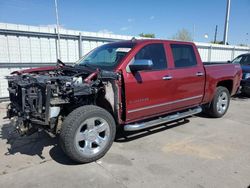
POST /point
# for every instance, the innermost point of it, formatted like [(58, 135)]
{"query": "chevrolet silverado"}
[(133, 84)]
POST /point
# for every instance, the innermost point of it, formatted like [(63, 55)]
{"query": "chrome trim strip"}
[(164, 104)]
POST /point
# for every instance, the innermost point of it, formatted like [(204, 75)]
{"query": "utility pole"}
[(215, 34), (58, 31), (227, 22)]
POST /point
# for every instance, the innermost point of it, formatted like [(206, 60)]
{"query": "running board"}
[(166, 119)]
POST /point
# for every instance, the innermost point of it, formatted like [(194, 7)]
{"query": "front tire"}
[(87, 133), (220, 103)]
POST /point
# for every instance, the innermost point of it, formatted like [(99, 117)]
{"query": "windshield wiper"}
[(87, 65)]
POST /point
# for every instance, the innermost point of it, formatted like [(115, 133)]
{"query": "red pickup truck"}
[(133, 84)]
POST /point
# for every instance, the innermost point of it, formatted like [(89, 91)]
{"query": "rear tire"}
[(220, 103), (87, 133)]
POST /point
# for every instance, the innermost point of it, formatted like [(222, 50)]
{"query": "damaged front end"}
[(41, 100)]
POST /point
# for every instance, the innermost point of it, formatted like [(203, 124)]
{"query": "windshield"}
[(106, 57), (243, 60)]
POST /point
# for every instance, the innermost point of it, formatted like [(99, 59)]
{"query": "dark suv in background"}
[(244, 61)]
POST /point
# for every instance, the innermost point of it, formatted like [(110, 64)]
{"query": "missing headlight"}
[(54, 111)]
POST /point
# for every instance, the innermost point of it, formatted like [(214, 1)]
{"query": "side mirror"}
[(228, 61), (142, 64)]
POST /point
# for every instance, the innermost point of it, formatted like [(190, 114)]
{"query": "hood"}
[(245, 68), (59, 65), (87, 73), (36, 70), (65, 68)]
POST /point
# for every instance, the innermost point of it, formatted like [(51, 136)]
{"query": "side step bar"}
[(166, 119)]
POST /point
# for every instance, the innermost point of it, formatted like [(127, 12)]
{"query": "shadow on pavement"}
[(203, 115), (28, 145), (35, 143), (57, 154), (123, 136), (32, 145), (240, 96)]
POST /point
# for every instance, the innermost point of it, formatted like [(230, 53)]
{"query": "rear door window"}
[(184, 55)]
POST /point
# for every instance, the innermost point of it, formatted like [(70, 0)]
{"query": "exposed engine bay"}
[(41, 99)]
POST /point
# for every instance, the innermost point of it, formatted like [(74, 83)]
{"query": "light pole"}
[(227, 22), (58, 31), (215, 34), (247, 39)]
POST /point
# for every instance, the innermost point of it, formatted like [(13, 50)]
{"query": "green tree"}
[(244, 45), (147, 35), (218, 42), (183, 35)]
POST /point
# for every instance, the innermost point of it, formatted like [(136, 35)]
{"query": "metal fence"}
[(23, 46), (216, 52)]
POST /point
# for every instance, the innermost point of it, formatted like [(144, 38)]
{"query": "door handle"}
[(167, 77), (199, 74)]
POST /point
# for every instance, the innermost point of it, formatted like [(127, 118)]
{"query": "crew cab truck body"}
[(132, 84)]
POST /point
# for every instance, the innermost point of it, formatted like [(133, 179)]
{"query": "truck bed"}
[(231, 73)]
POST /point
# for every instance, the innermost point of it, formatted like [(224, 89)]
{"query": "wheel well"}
[(105, 104), (227, 84)]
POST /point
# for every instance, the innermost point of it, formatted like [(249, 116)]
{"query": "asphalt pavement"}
[(197, 152)]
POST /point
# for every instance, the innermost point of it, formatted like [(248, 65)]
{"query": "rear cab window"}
[(184, 55)]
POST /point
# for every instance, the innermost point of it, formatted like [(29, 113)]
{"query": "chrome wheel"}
[(92, 136), (222, 102)]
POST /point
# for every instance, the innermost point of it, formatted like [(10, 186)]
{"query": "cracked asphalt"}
[(198, 152)]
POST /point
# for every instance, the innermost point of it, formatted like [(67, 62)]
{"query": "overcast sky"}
[(131, 17)]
